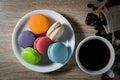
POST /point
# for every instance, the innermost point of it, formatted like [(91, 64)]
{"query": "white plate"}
[(68, 38)]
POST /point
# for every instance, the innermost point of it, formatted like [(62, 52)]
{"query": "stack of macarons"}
[(41, 39)]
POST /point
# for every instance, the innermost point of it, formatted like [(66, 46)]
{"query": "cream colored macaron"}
[(55, 31)]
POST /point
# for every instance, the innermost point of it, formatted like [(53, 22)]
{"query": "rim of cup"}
[(108, 65)]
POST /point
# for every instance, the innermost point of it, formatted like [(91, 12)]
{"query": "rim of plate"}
[(16, 48)]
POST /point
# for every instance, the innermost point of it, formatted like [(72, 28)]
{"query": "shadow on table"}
[(79, 35)]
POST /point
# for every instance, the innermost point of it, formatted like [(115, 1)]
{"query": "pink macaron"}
[(41, 44)]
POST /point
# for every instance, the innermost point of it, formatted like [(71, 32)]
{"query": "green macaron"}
[(30, 55)]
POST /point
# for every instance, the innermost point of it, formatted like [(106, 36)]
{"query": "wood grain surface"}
[(12, 10)]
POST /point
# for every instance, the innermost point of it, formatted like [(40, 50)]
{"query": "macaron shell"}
[(53, 27), (26, 39), (41, 44), (30, 55), (38, 24), (35, 43), (57, 33), (58, 52)]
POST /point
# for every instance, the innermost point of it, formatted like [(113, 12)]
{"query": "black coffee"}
[(94, 55)]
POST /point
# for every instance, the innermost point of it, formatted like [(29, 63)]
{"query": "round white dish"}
[(68, 38)]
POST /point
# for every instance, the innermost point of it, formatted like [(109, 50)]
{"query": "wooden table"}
[(12, 10)]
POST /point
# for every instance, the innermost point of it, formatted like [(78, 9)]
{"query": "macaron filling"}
[(55, 31), (53, 28)]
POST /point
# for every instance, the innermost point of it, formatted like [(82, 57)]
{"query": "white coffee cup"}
[(105, 69)]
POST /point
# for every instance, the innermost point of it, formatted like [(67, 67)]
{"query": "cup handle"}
[(110, 74)]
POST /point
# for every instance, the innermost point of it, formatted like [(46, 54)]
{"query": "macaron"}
[(30, 55), (26, 39), (41, 44), (38, 23), (58, 52), (55, 31)]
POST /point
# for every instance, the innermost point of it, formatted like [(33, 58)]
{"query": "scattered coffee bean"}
[(91, 19), (98, 25), (94, 20), (116, 47), (109, 37), (100, 0), (90, 5), (99, 28), (101, 33), (95, 8), (118, 56), (105, 77), (116, 61), (116, 69), (119, 71), (117, 34)]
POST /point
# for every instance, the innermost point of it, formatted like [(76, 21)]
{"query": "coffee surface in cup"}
[(94, 55)]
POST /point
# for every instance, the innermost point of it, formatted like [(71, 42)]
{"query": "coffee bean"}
[(116, 47), (116, 61), (119, 71), (91, 19), (95, 8), (116, 69), (110, 79), (98, 25), (90, 5), (108, 37), (100, 0), (118, 56), (117, 34), (101, 33), (105, 77)]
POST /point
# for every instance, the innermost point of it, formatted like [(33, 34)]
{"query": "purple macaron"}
[(26, 39)]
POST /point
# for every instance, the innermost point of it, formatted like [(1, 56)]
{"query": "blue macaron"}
[(58, 52)]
